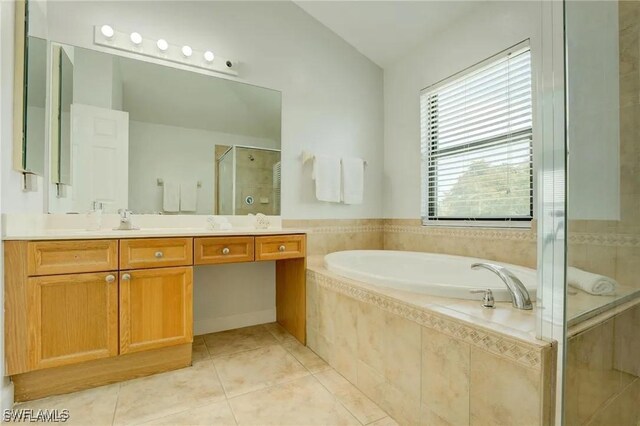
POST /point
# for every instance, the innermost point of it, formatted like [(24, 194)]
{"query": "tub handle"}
[(487, 300)]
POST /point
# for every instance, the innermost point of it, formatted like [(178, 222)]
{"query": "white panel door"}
[(100, 141)]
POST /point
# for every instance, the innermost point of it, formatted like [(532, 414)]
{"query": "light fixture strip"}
[(181, 54)]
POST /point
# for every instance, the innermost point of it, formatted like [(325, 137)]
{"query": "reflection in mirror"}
[(60, 119), (248, 181), (151, 138), (35, 103)]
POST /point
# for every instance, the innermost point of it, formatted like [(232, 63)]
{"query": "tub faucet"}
[(520, 298)]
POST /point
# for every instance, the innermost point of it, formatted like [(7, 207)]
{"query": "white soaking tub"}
[(427, 273)]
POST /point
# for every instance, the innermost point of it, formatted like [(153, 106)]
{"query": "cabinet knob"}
[(159, 255), (126, 277), (110, 278), (226, 250), (282, 248)]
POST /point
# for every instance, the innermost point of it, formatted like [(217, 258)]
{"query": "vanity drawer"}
[(276, 247), (212, 250), (70, 257), (155, 252)]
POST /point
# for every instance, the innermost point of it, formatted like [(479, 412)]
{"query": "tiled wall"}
[(517, 246), (423, 368), (603, 365), (328, 236)]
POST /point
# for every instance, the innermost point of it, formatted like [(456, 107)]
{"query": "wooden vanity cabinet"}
[(72, 318), (85, 313), (156, 308)]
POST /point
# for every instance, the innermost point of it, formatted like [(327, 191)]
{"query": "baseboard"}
[(6, 394), (211, 325)]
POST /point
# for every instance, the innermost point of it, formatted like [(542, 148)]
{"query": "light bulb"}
[(107, 31), (136, 38), (208, 56), (162, 45), (187, 51)]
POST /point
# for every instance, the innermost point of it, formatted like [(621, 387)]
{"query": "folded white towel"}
[(326, 173), (189, 196), (352, 180), (171, 197), (595, 284)]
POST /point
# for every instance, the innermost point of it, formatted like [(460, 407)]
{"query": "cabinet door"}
[(156, 308), (72, 318)]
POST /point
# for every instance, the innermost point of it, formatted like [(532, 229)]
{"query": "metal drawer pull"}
[(226, 251), (159, 254), (282, 248), (126, 277), (110, 278)]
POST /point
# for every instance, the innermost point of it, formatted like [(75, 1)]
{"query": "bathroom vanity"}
[(83, 310)]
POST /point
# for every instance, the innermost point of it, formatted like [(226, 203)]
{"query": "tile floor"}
[(256, 375)]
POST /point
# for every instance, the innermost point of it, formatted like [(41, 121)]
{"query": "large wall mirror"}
[(159, 140)]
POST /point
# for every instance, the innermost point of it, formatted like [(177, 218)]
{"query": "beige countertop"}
[(81, 234)]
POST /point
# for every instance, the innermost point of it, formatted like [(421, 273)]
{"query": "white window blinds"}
[(476, 132)]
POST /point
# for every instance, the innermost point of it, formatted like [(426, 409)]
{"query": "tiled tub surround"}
[(428, 360)]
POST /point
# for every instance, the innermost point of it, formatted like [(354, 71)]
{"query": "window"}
[(476, 141)]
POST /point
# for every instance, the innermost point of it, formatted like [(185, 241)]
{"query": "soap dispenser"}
[(95, 216)]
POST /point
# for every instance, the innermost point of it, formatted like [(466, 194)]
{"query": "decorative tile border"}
[(468, 232), (348, 229), (596, 239), (522, 353), (609, 240)]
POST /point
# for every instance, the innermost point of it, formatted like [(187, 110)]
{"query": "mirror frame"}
[(19, 80)]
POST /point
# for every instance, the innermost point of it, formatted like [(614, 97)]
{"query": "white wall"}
[(14, 200), (231, 296), (331, 94), (178, 154), (593, 110), (491, 28)]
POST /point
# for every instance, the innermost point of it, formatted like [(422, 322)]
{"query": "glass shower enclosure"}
[(248, 181), (597, 249)]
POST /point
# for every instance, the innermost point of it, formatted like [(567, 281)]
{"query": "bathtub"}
[(428, 273)]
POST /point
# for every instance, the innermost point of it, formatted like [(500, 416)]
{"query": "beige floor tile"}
[(305, 356), (239, 340), (365, 410), (199, 352), (257, 369), (92, 406), (278, 332), (163, 394), (387, 421), (218, 414), (301, 402)]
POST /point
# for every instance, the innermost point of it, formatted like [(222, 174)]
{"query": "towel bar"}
[(160, 182)]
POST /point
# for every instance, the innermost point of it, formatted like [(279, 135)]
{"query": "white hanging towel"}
[(188, 196), (171, 197), (598, 285), (352, 180), (326, 173)]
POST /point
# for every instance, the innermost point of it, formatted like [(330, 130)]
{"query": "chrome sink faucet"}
[(125, 221), (520, 298)]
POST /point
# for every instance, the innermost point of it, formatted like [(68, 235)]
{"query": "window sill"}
[(521, 224)]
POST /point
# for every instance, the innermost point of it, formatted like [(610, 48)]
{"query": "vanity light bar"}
[(105, 35)]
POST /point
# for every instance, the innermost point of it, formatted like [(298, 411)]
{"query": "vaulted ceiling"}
[(387, 30)]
